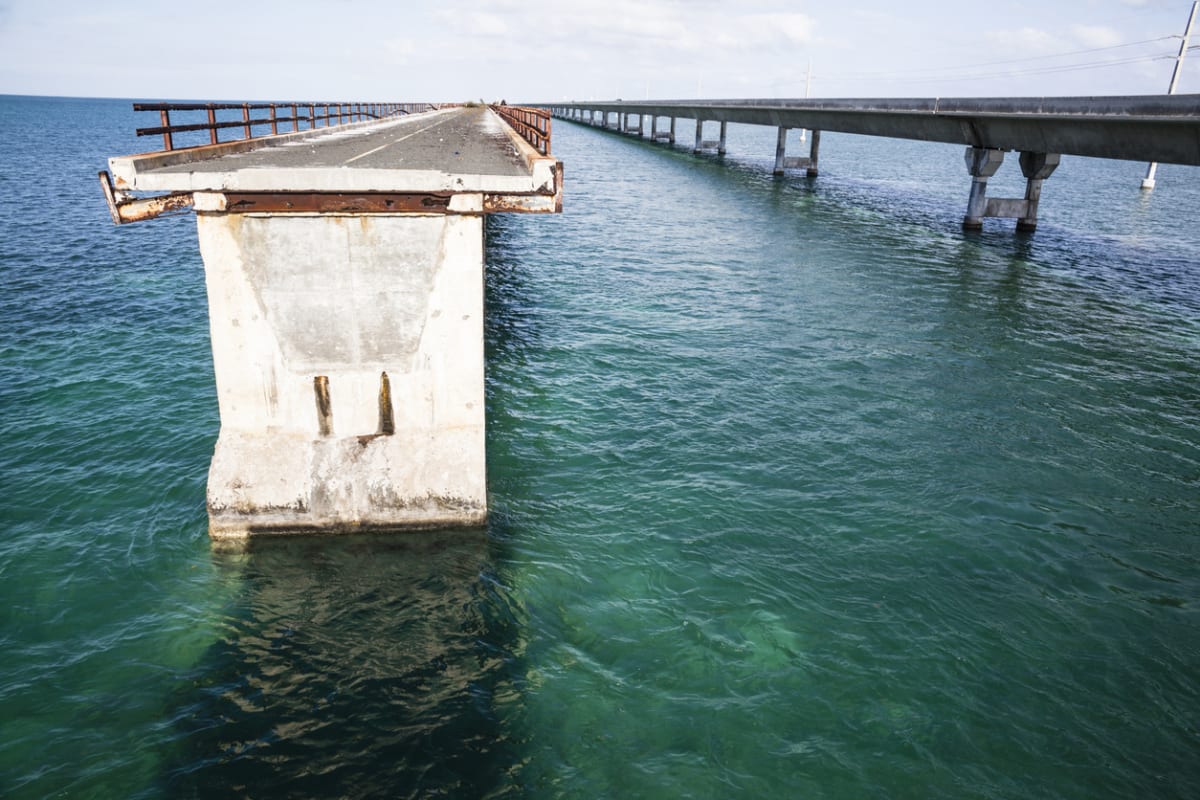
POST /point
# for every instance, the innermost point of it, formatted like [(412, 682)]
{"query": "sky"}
[(541, 52)]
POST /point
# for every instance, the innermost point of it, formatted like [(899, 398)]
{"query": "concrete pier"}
[(982, 164), (784, 162), (345, 288), (703, 144), (348, 352), (657, 135)]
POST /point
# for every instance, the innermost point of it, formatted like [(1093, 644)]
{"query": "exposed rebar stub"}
[(124, 208), (324, 405), (387, 419)]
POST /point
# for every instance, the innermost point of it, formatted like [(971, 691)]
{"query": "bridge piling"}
[(703, 144), (982, 164), (1036, 167), (784, 163), (780, 150), (307, 326)]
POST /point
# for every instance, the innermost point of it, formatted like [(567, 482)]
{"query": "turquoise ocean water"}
[(797, 491)]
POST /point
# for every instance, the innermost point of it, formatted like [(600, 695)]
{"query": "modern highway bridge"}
[(1162, 128), (344, 265)]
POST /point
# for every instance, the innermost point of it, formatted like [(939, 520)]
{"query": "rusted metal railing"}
[(533, 124), (308, 114)]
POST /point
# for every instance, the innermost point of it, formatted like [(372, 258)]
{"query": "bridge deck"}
[(452, 150)]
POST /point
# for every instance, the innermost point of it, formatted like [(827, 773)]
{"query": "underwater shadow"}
[(350, 666)]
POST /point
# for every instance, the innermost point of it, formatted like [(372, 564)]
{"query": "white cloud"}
[(1095, 35), (626, 25), (399, 50), (582, 48), (755, 30), (475, 24), (1025, 41)]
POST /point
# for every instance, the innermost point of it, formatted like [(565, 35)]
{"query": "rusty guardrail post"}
[(165, 116)]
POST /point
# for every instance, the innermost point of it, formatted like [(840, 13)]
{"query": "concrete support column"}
[(699, 136), (721, 143), (348, 354), (982, 164), (780, 151), (672, 139), (1036, 167), (654, 128), (813, 153)]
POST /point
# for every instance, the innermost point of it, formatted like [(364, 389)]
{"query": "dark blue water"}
[(797, 490)]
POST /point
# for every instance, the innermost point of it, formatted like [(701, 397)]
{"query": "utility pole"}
[(1148, 181)]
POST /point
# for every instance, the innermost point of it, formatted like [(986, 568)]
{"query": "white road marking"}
[(395, 141)]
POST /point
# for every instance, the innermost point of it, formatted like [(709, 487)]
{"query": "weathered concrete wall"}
[(296, 301)]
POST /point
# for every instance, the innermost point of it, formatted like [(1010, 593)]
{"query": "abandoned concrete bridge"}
[(344, 265)]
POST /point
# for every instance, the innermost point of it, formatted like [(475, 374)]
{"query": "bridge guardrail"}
[(329, 111), (533, 124)]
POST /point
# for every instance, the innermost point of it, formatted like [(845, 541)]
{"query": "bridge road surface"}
[(451, 150)]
